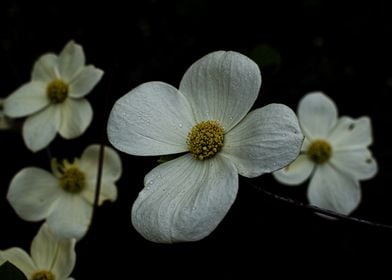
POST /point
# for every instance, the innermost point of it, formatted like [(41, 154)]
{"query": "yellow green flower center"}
[(319, 151), (57, 91), (205, 139), (71, 178), (43, 275)]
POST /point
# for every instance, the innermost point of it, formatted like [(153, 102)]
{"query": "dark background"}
[(340, 47)]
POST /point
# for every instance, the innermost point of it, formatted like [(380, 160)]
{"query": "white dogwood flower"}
[(334, 155), (65, 198), (52, 258), (53, 101), (184, 199)]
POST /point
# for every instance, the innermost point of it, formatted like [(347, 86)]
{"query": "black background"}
[(342, 48)]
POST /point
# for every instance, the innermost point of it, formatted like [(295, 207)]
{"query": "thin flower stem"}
[(103, 121), (321, 210)]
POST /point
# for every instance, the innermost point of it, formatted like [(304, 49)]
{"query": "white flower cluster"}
[(206, 125), (53, 101)]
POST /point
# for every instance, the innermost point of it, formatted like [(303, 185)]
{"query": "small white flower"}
[(186, 198), (334, 154), (54, 99), (65, 198), (52, 258)]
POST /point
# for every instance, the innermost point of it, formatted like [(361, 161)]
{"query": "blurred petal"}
[(52, 253), (152, 119), (266, 140), (71, 61), (111, 168), (357, 163), (351, 134), (333, 190), (33, 193), (45, 68), (222, 86), (71, 217), (40, 129), (85, 81), (185, 199), (76, 116), (26, 100), (296, 172), (108, 191), (21, 260), (317, 115)]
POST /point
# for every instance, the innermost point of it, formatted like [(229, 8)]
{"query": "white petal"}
[(111, 172), (33, 193), (266, 140), (21, 260), (40, 129), (185, 199), (76, 116), (45, 68), (317, 114), (26, 100), (358, 163), (108, 191), (351, 134), (330, 189), (71, 217), (111, 168), (222, 86), (71, 61), (152, 119), (85, 81), (52, 253), (296, 172)]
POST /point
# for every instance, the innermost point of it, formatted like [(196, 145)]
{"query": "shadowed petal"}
[(45, 68)]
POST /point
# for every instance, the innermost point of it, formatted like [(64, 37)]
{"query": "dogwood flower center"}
[(71, 178), (57, 91), (43, 275), (319, 151), (205, 139)]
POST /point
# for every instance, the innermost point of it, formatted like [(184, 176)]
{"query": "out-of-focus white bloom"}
[(65, 198), (5, 122), (334, 154), (51, 258), (207, 118), (54, 99)]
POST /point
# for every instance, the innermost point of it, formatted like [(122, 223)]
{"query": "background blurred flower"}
[(52, 258), (65, 198), (334, 154), (186, 198), (54, 98)]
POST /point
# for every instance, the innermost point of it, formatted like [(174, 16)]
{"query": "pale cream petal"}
[(41, 128), (26, 100), (85, 81), (33, 193), (295, 173), (76, 116), (71, 61), (21, 260), (45, 68)]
